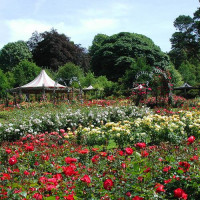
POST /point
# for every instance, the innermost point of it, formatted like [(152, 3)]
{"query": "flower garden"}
[(100, 150)]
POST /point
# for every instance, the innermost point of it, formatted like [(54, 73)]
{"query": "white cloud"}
[(98, 24), (22, 29)]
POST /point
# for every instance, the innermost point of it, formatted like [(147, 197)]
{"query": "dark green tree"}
[(51, 50), (112, 56), (186, 41), (4, 84), (12, 53), (25, 72)]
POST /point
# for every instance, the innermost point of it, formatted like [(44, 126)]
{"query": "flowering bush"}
[(152, 128), (43, 119), (39, 167)]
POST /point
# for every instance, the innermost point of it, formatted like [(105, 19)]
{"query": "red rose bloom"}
[(95, 158), (12, 160), (129, 151), (144, 153), (8, 151), (108, 184), (166, 169), (159, 188), (86, 179), (69, 171), (185, 166), (37, 196), (137, 198), (167, 181), (180, 193), (191, 139), (147, 170), (69, 160), (194, 158), (141, 145), (29, 148)]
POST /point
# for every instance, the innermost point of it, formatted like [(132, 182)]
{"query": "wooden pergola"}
[(186, 87)]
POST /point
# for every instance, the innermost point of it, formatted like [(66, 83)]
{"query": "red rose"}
[(26, 173), (129, 151), (84, 151), (144, 153), (141, 145), (166, 169), (29, 148), (69, 171), (191, 139), (137, 198), (159, 188), (128, 194), (37, 196), (12, 160), (123, 165), (69, 160), (167, 181), (108, 184), (86, 179), (70, 197), (194, 158), (62, 130), (111, 158), (8, 151), (95, 158), (147, 170), (185, 166), (180, 193)]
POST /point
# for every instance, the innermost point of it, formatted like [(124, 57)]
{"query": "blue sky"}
[(81, 20)]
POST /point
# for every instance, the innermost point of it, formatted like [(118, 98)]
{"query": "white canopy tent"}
[(41, 83)]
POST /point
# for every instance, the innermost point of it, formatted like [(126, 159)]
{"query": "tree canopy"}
[(12, 53), (112, 56), (25, 72), (185, 53), (51, 49)]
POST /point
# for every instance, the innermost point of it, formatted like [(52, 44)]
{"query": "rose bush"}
[(40, 167)]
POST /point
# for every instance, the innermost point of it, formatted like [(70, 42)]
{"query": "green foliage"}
[(4, 84), (67, 71), (185, 53), (187, 71), (88, 80), (137, 66), (12, 53), (11, 78), (112, 56), (25, 72), (176, 77)]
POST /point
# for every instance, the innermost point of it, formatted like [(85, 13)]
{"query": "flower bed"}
[(152, 128), (53, 118), (47, 166)]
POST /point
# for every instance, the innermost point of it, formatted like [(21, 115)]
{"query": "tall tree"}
[(12, 53), (25, 72), (51, 49), (112, 56), (186, 41)]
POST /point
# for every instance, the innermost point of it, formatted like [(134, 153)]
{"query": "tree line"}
[(111, 62)]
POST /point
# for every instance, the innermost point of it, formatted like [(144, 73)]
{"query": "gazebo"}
[(90, 88), (40, 85), (186, 87)]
